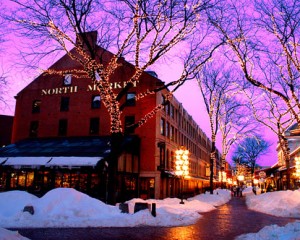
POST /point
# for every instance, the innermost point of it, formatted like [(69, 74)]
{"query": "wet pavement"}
[(224, 223)]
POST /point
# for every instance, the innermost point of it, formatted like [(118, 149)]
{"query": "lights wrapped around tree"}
[(182, 166)]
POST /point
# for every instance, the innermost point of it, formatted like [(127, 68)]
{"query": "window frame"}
[(94, 103), (64, 104), (36, 108), (67, 80), (33, 129), (130, 101), (64, 131), (94, 128)]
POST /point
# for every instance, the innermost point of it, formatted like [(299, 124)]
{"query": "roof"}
[(62, 147)]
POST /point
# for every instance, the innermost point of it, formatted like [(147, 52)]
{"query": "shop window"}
[(96, 102), (36, 106), (62, 127), (130, 99), (33, 131), (129, 121), (67, 79), (162, 126), (64, 104), (94, 126)]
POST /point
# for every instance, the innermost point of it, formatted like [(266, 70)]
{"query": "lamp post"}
[(182, 167), (240, 179)]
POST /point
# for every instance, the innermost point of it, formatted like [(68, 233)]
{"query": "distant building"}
[(293, 137), (6, 123), (61, 138)]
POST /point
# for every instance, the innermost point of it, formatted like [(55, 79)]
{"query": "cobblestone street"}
[(226, 222)]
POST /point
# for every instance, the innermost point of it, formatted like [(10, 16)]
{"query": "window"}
[(172, 111), (33, 131), (67, 79), (96, 103), (36, 106), (62, 127), (162, 126), (130, 99), (129, 121), (64, 104), (167, 108), (167, 129), (172, 132), (163, 100), (94, 125), (97, 76)]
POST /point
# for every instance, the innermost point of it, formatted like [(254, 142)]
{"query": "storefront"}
[(86, 172)]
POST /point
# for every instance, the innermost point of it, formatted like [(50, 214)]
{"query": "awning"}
[(26, 161), (2, 160), (34, 162), (73, 161)]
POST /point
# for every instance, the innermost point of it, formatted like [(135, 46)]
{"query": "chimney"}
[(90, 37)]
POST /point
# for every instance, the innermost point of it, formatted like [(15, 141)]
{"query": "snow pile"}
[(13, 202), (10, 235), (281, 203), (291, 231), (66, 207), (220, 197)]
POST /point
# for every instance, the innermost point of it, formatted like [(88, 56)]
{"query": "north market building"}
[(61, 138)]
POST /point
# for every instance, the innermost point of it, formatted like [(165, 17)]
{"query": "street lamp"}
[(182, 166), (240, 178)]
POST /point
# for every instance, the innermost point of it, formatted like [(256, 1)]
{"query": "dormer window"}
[(97, 76), (68, 79), (36, 106)]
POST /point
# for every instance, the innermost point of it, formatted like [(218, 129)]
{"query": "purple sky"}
[(189, 94)]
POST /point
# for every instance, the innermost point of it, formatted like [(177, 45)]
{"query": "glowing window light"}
[(297, 167), (182, 162)]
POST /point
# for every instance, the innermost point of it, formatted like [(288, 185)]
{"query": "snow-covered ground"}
[(65, 207)]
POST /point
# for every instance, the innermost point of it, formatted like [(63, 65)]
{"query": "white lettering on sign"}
[(74, 89), (60, 90)]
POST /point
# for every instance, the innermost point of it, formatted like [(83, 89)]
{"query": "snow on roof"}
[(74, 161)]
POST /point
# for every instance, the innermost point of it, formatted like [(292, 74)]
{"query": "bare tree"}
[(144, 31), (236, 122), (215, 82), (3, 77), (264, 39), (272, 113), (249, 150)]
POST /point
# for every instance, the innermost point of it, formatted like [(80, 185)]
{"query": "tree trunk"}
[(211, 166), (116, 143)]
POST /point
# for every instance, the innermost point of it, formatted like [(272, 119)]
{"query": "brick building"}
[(6, 123), (61, 138)]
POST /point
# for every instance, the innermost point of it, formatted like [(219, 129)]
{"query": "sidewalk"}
[(224, 223), (233, 219)]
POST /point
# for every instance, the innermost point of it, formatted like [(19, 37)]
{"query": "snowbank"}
[(281, 203), (66, 207)]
